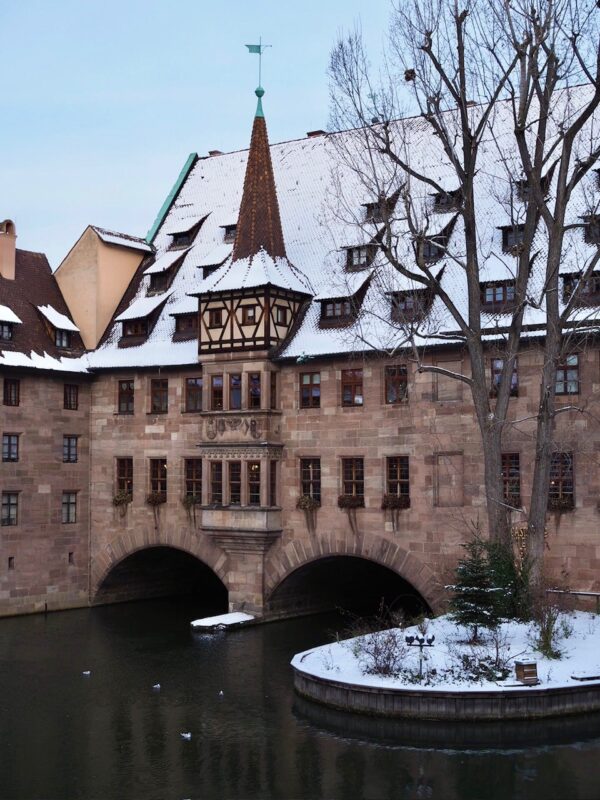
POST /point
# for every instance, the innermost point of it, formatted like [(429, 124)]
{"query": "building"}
[(244, 416)]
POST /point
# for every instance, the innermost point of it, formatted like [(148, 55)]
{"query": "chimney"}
[(213, 153), (8, 246), (312, 134)]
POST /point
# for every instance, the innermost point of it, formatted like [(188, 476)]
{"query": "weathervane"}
[(258, 48)]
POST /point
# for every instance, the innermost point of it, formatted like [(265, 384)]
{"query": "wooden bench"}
[(596, 595)]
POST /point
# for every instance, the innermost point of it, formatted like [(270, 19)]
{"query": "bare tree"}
[(509, 83)]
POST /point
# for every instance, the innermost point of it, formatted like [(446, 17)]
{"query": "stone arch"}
[(127, 544), (283, 560)]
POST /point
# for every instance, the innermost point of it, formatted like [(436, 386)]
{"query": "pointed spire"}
[(259, 223)]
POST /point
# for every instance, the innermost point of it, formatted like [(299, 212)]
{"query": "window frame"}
[(561, 492), (126, 396), (310, 478), (352, 381), (249, 314), (11, 394), (10, 447), (124, 475), (396, 384), (215, 318), (234, 482), (496, 367), (281, 315), (216, 483), (158, 476), (70, 448), (69, 507), (234, 391), (253, 481), (563, 369), (70, 396), (254, 391), (511, 478), (353, 476), (193, 393), (310, 399), (217, 392), (192, 471), (9, 509), (397, 476)]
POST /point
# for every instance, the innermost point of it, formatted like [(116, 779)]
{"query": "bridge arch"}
[(136, 553), (287, 560)]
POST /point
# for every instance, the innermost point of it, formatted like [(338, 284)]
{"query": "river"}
[(65, 735)]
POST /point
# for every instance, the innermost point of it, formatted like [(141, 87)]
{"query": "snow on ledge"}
[(57, 319), (222, 620)]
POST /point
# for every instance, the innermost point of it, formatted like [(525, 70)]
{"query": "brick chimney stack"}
[(8, 247)]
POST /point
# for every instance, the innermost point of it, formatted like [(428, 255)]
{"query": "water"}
[(65, 736)]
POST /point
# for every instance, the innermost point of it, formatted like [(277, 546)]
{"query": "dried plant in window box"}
[(189, 502), (309, 506), (121, 500), (394, 503), (558, 503), (350, 502), (155, 500)]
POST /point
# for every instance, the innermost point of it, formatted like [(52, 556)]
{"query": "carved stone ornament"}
[(221, 425)]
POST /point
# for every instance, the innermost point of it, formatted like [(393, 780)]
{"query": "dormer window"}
[(410, 306), (498, 296), (358, 258), (443, 202), (336, 312), (432, 248), (589, 291), (185, 238), (135, 327), (6, 331), (186, 326), (159, 282), (512, 238), (62, 338), (592, 229), (229, 232), (523, 190), (379, 210)]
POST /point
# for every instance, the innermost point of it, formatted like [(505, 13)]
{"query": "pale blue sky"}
[(103, 101)]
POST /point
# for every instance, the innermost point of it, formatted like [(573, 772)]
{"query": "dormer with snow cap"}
[(254, 298)]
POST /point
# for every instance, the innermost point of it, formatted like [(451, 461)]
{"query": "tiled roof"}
[(34, 286)]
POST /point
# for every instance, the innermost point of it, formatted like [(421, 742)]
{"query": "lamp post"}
[(420, 642)]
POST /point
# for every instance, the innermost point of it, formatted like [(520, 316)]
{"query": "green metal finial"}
[(259, 92), (258, 49)]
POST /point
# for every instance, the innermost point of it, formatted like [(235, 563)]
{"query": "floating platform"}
[(222, 622)]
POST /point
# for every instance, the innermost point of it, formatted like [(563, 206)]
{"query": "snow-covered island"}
[(222, 621), (384, 664)]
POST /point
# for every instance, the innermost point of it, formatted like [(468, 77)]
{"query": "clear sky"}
[(102, 102)]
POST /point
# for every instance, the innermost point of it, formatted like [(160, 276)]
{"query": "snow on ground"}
[(579, 647), (234, 618)]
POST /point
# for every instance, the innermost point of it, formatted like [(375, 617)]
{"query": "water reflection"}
[(112, 736)]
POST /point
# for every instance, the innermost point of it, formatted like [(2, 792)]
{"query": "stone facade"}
[(45, 561)]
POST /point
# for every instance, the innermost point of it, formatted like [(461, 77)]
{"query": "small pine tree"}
[(475, 597)]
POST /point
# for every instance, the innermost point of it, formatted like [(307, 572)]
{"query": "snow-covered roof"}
[(321, 203), (123, 239), (166, 261), (43, 361), (58, 320), (142, 307), (6, 315)]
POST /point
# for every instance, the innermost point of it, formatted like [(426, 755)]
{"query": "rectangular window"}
[(71, 396), (273, 379), (494, 296), (235, 392), (215, 318), (229, 232), (193, 478), (216, 483), (352, 387), (159, 395), (497, 365), (310, 478), (567, 376), (62, 338), (6, 331), (159, 281), (125, 476), (216, 392), (512, 237), (10, 447), (592, 229), (281, 315), (158, 476), (449, 479), (248, 315), (589, 289), (10, 508), (11, 392), (193, 394), (396, 384), (186, 324), (511, 478), (253, 483), (397, 478), (336, 309), (310, 390), (410, 306), (235, 483), (254, 390), (273, 483), (353, 477), (135, 327), (359, 257), (69, 508), (562, 487), (434, 247), (125, 400), (69, 449)]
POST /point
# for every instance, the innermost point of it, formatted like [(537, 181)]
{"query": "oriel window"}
[(216, 483), (235, 483), (254, 390), (235, 391), (253, 468), (216, 392), (193, 478)]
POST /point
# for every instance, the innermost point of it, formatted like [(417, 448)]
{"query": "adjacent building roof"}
[(123, 239), (58, 320)]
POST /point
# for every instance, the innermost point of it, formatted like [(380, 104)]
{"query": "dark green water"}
[(65, 736)]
